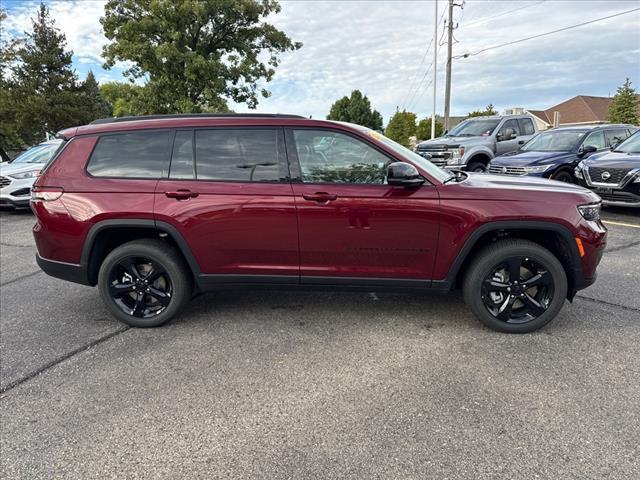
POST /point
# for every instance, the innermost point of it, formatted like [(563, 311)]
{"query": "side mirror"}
[(587, 149), (499, 136), (445, 132), (401, 174)]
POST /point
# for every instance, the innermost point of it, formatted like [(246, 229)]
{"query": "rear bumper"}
[(65, 271)]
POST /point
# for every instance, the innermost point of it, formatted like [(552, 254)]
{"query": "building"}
[(582, 109)]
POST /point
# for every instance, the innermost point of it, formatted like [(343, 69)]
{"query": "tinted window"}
[(250, 155), (182, 157), (614, 137), (136, 154), (526, 126), (333, 157), (596, 139)]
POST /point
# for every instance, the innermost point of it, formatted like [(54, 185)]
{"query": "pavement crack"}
[(611, 304), (59, 360), (622, 247), (20, 278)]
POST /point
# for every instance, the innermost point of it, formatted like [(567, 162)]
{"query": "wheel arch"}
[(106, 235), (555, 237)]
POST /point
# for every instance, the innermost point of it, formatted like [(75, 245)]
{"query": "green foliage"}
[(625, 105), (95, 106), (401, 126), (123, 98), (489, 110), (423, 130), (356, 109), (195, 55)]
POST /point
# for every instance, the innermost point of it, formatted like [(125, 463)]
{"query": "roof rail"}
[(192, 115)]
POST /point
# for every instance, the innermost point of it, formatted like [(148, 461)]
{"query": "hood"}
[(518, 190), (449, 141), (522, 159), (12, 168), (613, 160)]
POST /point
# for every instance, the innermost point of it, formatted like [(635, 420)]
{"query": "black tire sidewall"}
[(473, 165), (564, 174), (158, 253), (493, 255)]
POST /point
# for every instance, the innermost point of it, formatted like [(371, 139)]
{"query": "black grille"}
[(4, 181), (615, 174), (620, 196)]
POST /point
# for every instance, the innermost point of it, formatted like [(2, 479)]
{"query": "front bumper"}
[(15, 193), (614, 196)]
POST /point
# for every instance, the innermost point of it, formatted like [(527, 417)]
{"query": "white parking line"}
[(620, 224)]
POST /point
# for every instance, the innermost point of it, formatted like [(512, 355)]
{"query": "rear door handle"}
[(181, 194), (321, 197)]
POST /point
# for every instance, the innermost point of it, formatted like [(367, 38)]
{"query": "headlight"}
[(537, 169), (590, 212), (29, 174), (637, 180), (578, 170), (456, 155)]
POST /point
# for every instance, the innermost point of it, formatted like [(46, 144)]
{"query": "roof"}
[(100, 121), (592, 127), (189, 121), (579, 109)]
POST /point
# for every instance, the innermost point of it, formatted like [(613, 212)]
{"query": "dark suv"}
[(152, 210), (555, 153)]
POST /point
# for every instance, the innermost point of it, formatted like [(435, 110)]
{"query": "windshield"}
[(630, 145), (559, 141), (423, 163), (38, 154), (474, 128)]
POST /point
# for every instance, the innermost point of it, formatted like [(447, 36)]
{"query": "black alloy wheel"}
[(140, 287), (518, 290)]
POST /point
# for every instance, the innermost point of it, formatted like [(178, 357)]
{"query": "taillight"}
[(46, 193)]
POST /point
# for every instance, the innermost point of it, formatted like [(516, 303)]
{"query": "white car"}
[(17, 176)]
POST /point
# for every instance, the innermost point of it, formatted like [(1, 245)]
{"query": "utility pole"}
[(447, 90), (435, 68)]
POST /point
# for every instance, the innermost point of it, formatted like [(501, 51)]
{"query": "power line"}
[(407, 101), (545, 34), (486, 19)]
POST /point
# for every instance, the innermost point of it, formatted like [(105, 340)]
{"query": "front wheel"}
[(144, 283), (563, 176), (515, 286), (477, 167)]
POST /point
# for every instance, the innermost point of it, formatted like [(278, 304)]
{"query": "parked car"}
[(154, 209), (615, 176), (17, 176), (555, 153), (472, 144)]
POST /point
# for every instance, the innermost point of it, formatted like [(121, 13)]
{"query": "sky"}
[(381, 48)]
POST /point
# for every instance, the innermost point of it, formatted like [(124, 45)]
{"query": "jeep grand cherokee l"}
[(154, 209)]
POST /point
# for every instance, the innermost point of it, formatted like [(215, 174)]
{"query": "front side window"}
[(131, 155), (332, 157), (596, 139), (182, 158), (513, 125), (240, 155)]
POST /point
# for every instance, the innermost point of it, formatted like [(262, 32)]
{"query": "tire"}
[(478, 167), (130, 290), (485, 286), (563, 176)]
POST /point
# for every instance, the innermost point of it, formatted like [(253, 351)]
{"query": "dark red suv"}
[(154, 209)]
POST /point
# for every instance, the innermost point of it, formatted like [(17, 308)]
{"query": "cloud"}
[(378, 47)]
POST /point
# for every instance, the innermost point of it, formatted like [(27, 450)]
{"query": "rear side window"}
[(132, 155), (241, 155), (526, 126)]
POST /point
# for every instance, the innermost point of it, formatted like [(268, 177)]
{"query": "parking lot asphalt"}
[(317, 385)]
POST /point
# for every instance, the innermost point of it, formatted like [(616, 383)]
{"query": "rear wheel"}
[(144, 283), (515, 286)]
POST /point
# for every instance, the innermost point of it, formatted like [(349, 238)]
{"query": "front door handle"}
[(181, 194), (321, 197)]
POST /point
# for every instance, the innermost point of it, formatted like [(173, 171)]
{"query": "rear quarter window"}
[(131, 155)]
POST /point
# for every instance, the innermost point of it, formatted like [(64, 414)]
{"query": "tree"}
[(123, 98), (356, 109), (94, 105), (9, 135), (625, 106), (487, 111), (44, 90), (423, 130), (401, 126), (195, 55)]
